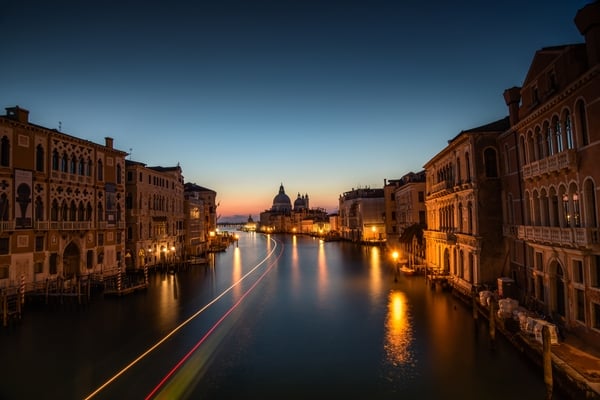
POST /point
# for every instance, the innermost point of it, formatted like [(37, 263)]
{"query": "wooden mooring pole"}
[(492, 323), (547, 360)]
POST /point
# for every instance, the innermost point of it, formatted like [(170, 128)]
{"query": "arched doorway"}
[(71, 260), (557, 288)]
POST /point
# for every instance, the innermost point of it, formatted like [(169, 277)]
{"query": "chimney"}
[(512, 98), (109, 142), (17, 113), (587, 21)]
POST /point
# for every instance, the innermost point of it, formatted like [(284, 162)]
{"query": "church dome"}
[(281, 202)]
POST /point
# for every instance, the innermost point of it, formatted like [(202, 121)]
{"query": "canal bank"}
[(575, 365)]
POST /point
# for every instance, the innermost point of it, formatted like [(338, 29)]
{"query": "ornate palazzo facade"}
[(61, 203)]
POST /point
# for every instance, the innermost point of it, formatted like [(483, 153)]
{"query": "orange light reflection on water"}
[(399, 333), (322, 274), (375, 272), (237, 271)]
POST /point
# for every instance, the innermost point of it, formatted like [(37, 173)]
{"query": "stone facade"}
[(62, 202)]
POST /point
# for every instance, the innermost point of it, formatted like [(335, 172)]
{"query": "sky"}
[(321, 96)]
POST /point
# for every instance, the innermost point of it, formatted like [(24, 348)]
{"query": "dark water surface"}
[(277, 317)]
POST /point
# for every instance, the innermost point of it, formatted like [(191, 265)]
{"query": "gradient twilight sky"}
[(322, 96)]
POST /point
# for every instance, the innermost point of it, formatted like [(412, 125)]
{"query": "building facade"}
[(155, 215), (61, 203), (551, 179), (200, 220), (362, 215), (464, 222)]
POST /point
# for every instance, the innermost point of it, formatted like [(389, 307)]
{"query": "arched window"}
[(569, 130), (468, 167), (64, 212), (88, 212), (39, 209), (522, 151), (547, 132), (4, 206), (100, 212), (39, 158), (540, 144), (557, 134), (64, 163), (81, 212), (89, 168), (55, 162), (4, 151), (582, 122), (81, 167), (506, 160), (491, 166), (100, 176), (54, 211), (73, 212), (73, 164), (118, 212), (470, 218)]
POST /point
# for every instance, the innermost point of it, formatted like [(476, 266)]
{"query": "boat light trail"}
[(180, 326), (182, 361)]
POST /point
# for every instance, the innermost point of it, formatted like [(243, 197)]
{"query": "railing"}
[(573, 237), (6, 226), (563, 160), (443, 185)]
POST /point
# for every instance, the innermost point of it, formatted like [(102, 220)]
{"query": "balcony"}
[(7, 226), (565, 237), (444, 236), (564, 160), (71, 225), (441, 188)]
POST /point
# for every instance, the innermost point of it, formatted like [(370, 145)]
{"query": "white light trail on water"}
[(184, 323)]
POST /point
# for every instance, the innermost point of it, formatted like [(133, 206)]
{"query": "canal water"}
[(273, 317)]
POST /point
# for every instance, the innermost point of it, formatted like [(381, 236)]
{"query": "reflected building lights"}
[(399, 335), (375, 273)]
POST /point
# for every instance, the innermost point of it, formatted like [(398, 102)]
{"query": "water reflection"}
[(399, 332), (168, 306), (237, 271), (375, 273), (322, 273)]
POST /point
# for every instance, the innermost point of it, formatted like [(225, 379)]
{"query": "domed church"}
[(281, 217), (281, 203)]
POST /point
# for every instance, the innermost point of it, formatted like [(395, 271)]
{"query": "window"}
[(55, 162), (119, 173), (4, 151), (596, 315), (39, 243), (582, 119), (64, 163), (100, 176), (578, 271), (580, 305), (568, 130), (4, 271), (4, 206), (39, 158), (540, 288), (539, 261), (595, 272), (421, 197), (53, 263), (89, 259), (101, 239), (557, 135), (491, 167), (4, 246), (39, 209)]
